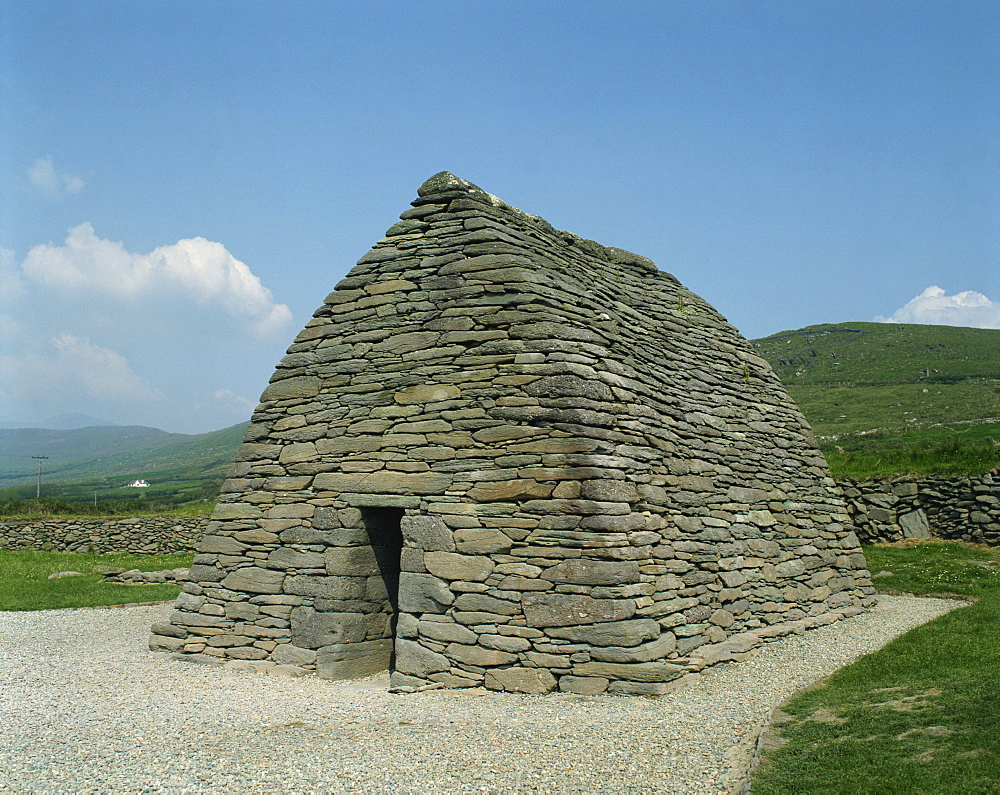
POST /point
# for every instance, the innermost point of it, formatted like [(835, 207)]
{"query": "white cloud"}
[(51, 183), (154, 338), (228, 396), (10, 328), (11, 284), (72, 365), (196, 270), (933, 307), (104, 374)]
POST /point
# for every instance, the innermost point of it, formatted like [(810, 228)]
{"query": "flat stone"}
[(593, 572), (390, 286), (235, 510), (416, 660), (388, 482), (313, 630), (224, 545), (159, 642), (205, 573), (423, 593), (477, 655), (446, 632), (353, 660), (453, 566), (286, 558), (609, 490), (169, 630), (288, 654), (481, 540), (350, 561), (246, 653), (483, 603), (443, 182), (509, 490), (611, 633), (520, 680), (626, 688), (427, 393), (583, 685), (254, 579), (305, 386), (325, 587), (645, 652), (510, 643), (914, 524), (560, 610), (633, 672), (790, 568)]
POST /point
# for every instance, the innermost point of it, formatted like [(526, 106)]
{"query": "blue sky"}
[(181, 183)]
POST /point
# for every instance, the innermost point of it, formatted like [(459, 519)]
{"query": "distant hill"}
[(873, 389), (103, 459), (60, 422), (850, 377)]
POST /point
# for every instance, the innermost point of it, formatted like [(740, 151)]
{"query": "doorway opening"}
[(386, 539)]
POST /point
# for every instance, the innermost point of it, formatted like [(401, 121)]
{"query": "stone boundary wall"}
[(961, 508), (150, 535)]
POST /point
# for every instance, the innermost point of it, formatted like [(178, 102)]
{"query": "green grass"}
[(88, 465), (883, 353), (26, 585), (919, 715), (954, 450), (838, 409), (26, 509), (873, 393)]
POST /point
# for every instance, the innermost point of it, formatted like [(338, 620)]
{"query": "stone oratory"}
[(502, 455)]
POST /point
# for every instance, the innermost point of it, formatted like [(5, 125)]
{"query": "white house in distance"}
[(138, 484)]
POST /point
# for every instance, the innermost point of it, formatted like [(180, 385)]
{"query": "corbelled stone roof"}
[(501, 454)]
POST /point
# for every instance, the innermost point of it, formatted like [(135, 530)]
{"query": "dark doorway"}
[(386, 538)]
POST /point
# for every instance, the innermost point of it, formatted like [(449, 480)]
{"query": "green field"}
[(92, 466), (26, 583), (883, 353), (950, 450), (919, 715), (886, 399)]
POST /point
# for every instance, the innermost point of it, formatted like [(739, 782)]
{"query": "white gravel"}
[(84, 707)]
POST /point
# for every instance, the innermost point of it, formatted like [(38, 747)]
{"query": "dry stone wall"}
[(501, 455), (150, 535), (958, 508)]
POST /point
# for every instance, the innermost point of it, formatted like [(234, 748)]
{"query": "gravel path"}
[(84, 707)]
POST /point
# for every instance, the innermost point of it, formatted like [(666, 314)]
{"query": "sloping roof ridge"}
[(446, 186)]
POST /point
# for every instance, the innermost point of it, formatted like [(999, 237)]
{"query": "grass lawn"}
[(26, 585), (14, 509), (921, 715), (954, 450)]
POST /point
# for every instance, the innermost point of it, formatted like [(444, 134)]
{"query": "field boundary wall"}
[(960, 508), (149, 535)]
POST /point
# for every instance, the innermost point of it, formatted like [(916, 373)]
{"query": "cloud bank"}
[(76, 364), (933, 307), (182, 337), (50, 183), (195, 270)]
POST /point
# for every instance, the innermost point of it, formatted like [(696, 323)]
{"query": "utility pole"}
[(38, 488)]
